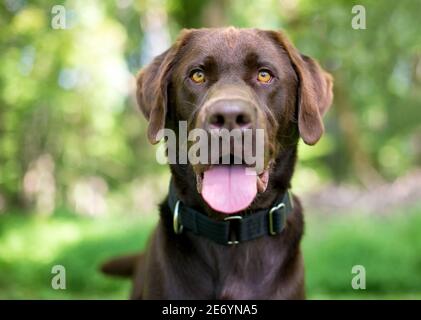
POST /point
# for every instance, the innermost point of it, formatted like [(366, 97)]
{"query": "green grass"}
[(388, 247), (31, 246)]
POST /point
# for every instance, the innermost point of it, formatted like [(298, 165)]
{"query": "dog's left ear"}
[(315, 91)]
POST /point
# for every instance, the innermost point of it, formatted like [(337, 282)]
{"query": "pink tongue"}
[(228, 189)]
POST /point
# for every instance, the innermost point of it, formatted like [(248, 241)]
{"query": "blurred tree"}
[(375, 117), (68, 117)]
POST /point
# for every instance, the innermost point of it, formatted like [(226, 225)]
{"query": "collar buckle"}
[(231, 233), (279, 206), (177, 226)]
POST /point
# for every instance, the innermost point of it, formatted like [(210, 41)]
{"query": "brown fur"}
[(188, 266)]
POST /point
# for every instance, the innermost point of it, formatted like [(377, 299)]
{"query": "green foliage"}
[(377, 86), (67, 93), (29, 247), (62, 95), (386, 246)]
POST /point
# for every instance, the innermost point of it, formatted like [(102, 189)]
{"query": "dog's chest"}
[(247, 273)]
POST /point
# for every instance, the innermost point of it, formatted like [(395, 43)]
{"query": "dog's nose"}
[(230, 114)]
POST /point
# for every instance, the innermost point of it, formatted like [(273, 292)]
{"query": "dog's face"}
[(242, 79)]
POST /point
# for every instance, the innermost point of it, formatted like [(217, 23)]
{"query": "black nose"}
[(231, 114)]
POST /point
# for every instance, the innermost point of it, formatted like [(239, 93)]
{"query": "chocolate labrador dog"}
[(223, 233)]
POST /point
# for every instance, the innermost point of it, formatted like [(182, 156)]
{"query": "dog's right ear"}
[(152, 87)]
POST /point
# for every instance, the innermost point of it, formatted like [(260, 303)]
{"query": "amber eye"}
[(198, 76), (264, 76)]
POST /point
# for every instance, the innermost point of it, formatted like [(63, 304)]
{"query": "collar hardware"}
[(273, 211), (234, 229), (178, 227)]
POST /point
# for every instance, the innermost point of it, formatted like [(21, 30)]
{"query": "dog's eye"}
[(197, 76), (264, 76)]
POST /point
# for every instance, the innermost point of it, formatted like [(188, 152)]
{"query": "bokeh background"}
[(79, 181)]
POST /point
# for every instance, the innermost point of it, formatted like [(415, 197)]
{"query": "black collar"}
[(235, 228)]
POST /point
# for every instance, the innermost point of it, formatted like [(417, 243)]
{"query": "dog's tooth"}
[(199, 182), (262, 181)]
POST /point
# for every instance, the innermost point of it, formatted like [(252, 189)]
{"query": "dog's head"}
[(236, 79)]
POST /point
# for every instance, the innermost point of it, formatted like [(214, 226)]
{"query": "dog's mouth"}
[(231, 188)]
